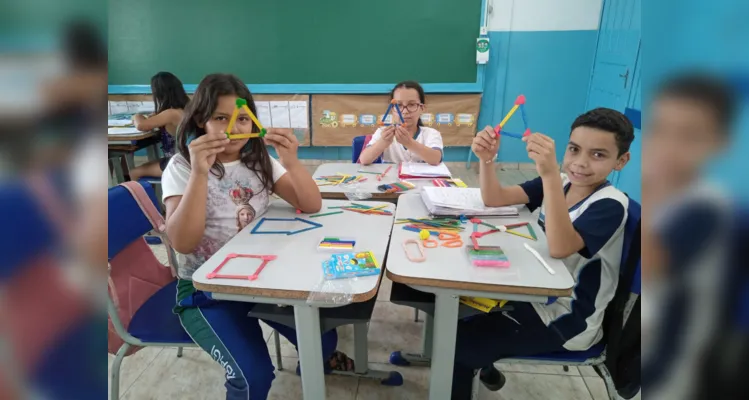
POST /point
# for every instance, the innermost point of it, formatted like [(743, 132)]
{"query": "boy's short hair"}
[(608, 120), (709, 90)]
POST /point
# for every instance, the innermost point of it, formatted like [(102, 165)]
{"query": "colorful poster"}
[(337, 119)]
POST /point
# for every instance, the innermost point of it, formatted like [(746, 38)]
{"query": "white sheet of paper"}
[(279, 114), (263, 113), (468, 199), (146, 107), (424, 169), (133, 106), (122, 131), (118, 107), (298, 114)]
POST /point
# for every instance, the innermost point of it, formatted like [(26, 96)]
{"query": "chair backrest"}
[(134, 272), (357, 145), (631, 227)]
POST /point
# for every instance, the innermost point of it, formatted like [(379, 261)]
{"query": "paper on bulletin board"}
[(337, 119), (285, 111), (296, 111)]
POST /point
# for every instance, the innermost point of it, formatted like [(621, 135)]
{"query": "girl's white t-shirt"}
[(233, 203), (397, 153)]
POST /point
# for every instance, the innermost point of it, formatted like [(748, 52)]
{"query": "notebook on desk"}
[(452, 201), (415, 170)]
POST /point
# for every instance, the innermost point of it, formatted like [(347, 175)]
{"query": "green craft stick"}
[(324, 214), (533, 234), (330, 208), (368, 172)]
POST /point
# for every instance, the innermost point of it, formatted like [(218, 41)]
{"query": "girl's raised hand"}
[(388, 134), (203, 151), (285, 143)]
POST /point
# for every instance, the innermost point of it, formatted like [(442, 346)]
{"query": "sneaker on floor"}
[(492, 378)]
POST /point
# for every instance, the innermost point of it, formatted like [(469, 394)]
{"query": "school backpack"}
[(135, 273)]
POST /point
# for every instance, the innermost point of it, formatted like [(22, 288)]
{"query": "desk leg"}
[(153, 152), (307, 319), (443, 349), (119, 175)]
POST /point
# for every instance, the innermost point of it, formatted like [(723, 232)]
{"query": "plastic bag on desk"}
[(357, 194), (338, 292)]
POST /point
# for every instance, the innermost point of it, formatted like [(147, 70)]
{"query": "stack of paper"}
[(423, 170), (460, 201)]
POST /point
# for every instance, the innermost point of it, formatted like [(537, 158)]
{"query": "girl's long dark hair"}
[(168, 92), (254, 155), (411, 85)]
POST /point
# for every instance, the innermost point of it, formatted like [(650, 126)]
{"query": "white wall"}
[(544, 15)]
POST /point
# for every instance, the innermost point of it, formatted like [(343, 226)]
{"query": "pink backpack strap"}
[(153, 215), (146, 205)]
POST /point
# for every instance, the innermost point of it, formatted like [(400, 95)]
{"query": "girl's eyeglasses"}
[(411, 107)]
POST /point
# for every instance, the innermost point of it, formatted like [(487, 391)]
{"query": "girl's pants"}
[(235, 341)]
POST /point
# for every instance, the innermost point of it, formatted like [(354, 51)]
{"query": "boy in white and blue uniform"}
[(583, 217)]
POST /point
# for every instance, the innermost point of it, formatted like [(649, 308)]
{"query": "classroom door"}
[(614, 64)]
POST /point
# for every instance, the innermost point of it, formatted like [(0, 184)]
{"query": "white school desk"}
[(297, 271), (448, 274), (368, 186)]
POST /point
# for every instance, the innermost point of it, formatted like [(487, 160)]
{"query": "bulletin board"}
[(337, 119), (274, 111)]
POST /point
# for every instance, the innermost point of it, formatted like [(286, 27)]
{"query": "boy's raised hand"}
[(485, 144), (203, 151), (541, 150), (285, 143)]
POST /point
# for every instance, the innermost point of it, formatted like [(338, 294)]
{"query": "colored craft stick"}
[(324, 214), (509, 114), (519, 234), (233, 119), (512, 135), (510, 226), (384, 116), (368, 172), (532, 232), (244, 136), (397, 108), (525, 118), (252, 116)]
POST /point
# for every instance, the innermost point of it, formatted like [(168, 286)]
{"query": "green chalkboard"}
[(295, 41)]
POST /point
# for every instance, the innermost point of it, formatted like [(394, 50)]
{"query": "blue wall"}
[(552, 69)]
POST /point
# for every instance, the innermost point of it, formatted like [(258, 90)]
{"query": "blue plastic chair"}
[(153, 324), (596, 355), (356, 147)]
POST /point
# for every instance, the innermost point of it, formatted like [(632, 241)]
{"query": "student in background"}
[(213, 187), (687, 220), (170, 99), (583, 217), (413, 142)]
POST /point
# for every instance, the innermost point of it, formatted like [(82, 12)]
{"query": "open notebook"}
[(452, 201), (409, 170)]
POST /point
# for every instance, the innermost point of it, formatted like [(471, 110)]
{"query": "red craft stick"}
[(266, 259)]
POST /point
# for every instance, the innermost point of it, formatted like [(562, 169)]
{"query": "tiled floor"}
[(157, 373)]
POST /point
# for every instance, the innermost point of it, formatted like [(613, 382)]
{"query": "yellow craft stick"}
[(376, 208), (244, 136), (254, 119), (509, 114), (520, 234), (232, 121)]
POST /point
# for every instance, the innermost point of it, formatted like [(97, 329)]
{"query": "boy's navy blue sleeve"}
[(534, 188), (597, 224)]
